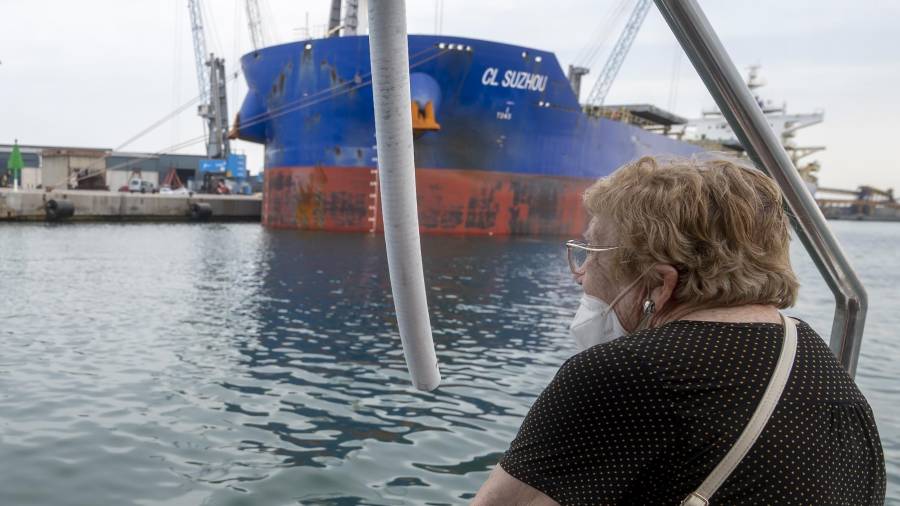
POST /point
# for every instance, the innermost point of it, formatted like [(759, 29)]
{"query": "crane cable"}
[(590, 52), (291, 106), (675, 78), (93, 165)]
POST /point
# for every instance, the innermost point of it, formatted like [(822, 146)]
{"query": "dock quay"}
[(865, 203), (96, 205)]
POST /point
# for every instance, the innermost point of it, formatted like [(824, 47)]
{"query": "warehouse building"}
[(96, 168)]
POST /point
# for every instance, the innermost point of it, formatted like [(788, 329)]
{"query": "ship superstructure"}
[(713, 128)]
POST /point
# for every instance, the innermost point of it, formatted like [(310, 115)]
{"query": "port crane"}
[(334, 19), (354, 23), (616, 57), (211, 83), (254, 22)]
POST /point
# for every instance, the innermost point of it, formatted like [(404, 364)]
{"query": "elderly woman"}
[(686, 265)]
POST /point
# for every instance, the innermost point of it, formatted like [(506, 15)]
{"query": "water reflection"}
[(325, 383), (228, 364)]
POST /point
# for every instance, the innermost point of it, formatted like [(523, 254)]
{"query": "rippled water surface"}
[(228, 364)]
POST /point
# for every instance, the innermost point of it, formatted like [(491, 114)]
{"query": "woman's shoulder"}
[(682, 343), (684, 347), (685, 334), (611, 361)]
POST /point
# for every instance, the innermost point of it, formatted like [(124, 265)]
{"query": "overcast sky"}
[(94, 72)]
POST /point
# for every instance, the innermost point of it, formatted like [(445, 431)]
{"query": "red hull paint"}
[(450, 201)]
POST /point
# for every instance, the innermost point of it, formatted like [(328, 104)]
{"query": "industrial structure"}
[(614, 63), (66, 167), (254, 23), (713, 127), (866, 203), (213, 108), (220, 170)]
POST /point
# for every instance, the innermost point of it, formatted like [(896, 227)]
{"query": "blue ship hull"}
[(499, 133)]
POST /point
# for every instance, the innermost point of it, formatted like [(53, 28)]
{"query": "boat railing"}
[(740, 108), (734, 99)]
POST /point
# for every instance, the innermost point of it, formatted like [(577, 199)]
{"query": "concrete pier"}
[(31, 205)]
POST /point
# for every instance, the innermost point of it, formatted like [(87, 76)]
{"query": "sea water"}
[(179, 364)]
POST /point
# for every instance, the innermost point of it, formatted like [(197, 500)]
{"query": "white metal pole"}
[(389, 51)]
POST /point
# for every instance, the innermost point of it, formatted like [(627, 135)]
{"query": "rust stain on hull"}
[(449, 201)]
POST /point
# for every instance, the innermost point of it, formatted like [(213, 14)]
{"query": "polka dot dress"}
[(645, 418)]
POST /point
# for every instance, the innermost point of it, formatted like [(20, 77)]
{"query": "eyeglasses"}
[(578, 253)]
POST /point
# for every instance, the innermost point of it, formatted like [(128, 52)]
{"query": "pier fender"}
[(201, 211), (59, 209)]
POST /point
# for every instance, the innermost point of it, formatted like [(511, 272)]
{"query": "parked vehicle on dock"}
[(138, 185)]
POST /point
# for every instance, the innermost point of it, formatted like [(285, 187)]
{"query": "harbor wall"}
[(119, 206)]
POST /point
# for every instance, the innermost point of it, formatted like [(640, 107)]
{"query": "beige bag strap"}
[(757, 423)]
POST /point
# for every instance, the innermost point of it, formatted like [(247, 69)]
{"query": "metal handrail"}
[(699, 40)]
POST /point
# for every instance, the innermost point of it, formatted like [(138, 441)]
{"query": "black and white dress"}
[(644, 419)]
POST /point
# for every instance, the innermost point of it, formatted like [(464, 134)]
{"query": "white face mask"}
[(595, 323)]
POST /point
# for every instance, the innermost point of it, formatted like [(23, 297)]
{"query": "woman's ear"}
[(661, 294)]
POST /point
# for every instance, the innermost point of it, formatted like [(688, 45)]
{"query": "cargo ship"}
[(502, 144)]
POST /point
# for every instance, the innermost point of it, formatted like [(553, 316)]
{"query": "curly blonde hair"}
[(720, 224)]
